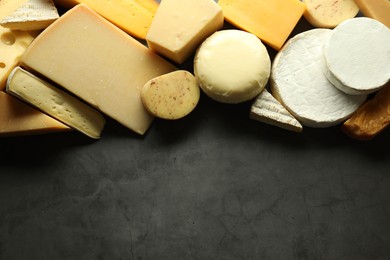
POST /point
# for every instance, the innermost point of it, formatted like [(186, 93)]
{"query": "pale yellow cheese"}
[(18, 118), (12, 46), (7, 7), (55, 102), (180, 26), (98, 62), (377, 9)]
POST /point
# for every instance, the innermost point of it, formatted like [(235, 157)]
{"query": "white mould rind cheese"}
[(298, 82)]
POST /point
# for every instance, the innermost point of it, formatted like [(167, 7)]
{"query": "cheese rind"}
[(55, 102), (268, 110), (18, 118), (180, 26), (376, 9), (232, 66), (298, 82), (99, 63), (357, 56)]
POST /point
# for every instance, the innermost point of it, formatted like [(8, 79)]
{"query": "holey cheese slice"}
[(98, 62), (298, 82), (357, 56)]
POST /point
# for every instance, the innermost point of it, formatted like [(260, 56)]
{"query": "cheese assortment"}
[(377, 9)]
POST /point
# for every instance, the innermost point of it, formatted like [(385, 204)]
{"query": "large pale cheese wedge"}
[(272, 21), (357, 56), (12, 46), (377, 9), (32, 15), (372, 118), (7, 7), (268, 110), (132, 16), (329, 13), (98, 62), (19, 118), (180, 26), (55, 102), (232, 66), (298, 82)]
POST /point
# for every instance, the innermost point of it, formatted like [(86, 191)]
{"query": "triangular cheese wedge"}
[(7, 7)]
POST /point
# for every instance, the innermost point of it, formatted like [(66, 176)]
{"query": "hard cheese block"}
[(377, 9), (32, 15), (12, 46), (132, 16), (180, 26), (272, 21), (55, 102), (7, 7), (98, 62), (18, 118)]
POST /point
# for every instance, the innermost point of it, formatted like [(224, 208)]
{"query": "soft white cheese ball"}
[(232, 66)]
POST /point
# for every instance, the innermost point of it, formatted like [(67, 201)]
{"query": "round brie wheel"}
[(298, 82), (232, 66), (357, 56)]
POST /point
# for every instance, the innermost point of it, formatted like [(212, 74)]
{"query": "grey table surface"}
[(213, 185)]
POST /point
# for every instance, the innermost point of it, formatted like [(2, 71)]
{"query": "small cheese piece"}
[(272, 21), (329, 13), (232, 66), (377, 9), (99, 63), (357, 56), (171, 96), (7, 7), (12, 46), (19, 118), (180, 26), (55, 102), (32, 15), (132, 16), (372, 118), (268, 110), (298, 82)]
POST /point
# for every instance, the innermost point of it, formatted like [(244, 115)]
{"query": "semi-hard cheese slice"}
[(12, 46), (7, 7), (377, 9), (298, 82), (180, 26), (272, 21), (171, 96), (55, 102), (98, 62), (32, 15), (132, 16), (232, 66), (329, 13), (268, 110), (357, 56), (19, 118)]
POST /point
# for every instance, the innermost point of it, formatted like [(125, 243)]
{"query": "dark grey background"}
[(214, 185)]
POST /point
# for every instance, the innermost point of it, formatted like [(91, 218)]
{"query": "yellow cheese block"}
[(377, 9), (18, 118), (180, 26), (271, 21), (132, 16), (98, 62), (7, 7), (12, 46)]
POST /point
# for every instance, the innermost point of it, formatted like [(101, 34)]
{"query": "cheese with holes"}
[(180, 26), (32, 15), (7, 7), (12, 46), (272, 21), (19, 118), (98, 62), (132, 16), (55, 102), (357, 56), (377, 9), (232, 66), (298, 82), (268, 110), (329, 13)]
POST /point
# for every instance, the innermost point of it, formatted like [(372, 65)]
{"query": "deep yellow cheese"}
[(377, 9), (18, 118), (98, 62), (271, 21), (132, 16)]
